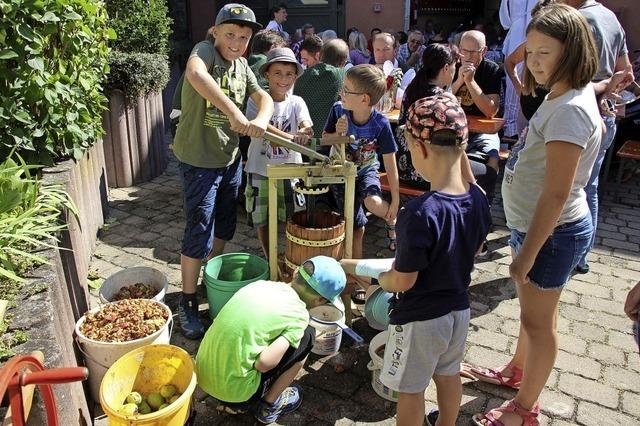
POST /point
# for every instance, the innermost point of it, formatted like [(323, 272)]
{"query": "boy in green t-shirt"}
[(261, 338), (217, 82)]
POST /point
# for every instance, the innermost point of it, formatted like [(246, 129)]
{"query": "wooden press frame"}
[(312, 175)]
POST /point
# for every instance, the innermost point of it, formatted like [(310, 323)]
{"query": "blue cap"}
[(328, 278)]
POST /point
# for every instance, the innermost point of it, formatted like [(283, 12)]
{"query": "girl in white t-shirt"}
[(544, 201), (291, 120)]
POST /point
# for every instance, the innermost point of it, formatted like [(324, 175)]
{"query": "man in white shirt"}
[(278, 16)]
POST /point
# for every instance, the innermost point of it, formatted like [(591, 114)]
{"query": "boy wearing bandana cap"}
[(438, 235)]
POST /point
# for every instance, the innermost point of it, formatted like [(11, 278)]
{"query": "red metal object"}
[(25, 370)]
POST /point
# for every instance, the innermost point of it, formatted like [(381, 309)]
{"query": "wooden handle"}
[(337, 140), (27, 396)]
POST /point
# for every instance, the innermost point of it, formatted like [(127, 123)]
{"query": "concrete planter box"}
[(134, 148), (55, 295)]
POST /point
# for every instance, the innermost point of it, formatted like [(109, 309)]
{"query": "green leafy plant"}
[(141, 25), (29, 216), (53, 59), (137, 74), (138, 62)]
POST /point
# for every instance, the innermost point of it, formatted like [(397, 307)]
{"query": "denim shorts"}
[(204, 190), (560, 253), (367, 185)]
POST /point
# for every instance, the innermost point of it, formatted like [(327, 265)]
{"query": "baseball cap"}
[(328, 278), (281, 54), (236, 13), (439, 113)]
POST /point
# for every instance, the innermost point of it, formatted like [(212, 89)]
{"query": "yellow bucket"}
[(146, 369)]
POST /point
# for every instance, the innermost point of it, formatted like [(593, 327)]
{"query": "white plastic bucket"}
[(130, 276), (375, 365), (99, 356), (325, 320)]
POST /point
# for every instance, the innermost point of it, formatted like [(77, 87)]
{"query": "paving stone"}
[(633, 362), (579, 365), (599, 304), (621, 378), (556, 404), (606, 354), (624, 341), (511, 327), (485, 357), (589, 390), (102, 268), (488, 321), (595, 415), (627, 274), (615, 244), (590, 289), (569, 297), (572, 344), (489, 339), (633, 265), (508, 309), (631, 403), (589, 331)]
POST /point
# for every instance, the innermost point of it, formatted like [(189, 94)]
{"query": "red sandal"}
[(494, 375), (529, 417)]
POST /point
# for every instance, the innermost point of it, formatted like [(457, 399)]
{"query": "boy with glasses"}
[(355, 115)]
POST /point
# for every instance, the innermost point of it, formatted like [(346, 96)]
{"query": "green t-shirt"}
[(319, 86), (250, 321), (204, 137)]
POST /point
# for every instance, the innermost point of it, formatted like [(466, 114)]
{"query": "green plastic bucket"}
[(228, 273)]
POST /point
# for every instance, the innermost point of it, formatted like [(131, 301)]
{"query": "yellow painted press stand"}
[(321, 171)]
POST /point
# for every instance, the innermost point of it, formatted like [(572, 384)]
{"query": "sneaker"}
[(484, 250), (582, 269), (288, 401), (190, 324), (432, 417)]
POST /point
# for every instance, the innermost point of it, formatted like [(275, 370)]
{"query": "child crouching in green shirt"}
[(261, 338)]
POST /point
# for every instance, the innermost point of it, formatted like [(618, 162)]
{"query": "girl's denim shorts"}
[(560, 253)]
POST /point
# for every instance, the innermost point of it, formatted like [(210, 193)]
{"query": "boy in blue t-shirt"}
[(355, 115), (438, 236)]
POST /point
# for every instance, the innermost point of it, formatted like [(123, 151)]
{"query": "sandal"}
[(529, 418), (493, 375), (391, 235)]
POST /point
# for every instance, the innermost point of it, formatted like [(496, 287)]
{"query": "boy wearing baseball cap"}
[(217, 83), (438, 235), (261, 338), (291, 120)]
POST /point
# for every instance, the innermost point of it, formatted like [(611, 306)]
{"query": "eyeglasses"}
[(471, 52), (348, 92)]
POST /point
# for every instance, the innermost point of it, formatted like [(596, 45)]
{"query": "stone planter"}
[(86, 182), (134, 148), (55, 295)]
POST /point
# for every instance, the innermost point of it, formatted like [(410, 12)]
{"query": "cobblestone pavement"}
[(596, 380)]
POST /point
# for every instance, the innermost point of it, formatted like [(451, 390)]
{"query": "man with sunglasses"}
[(477, 86)]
